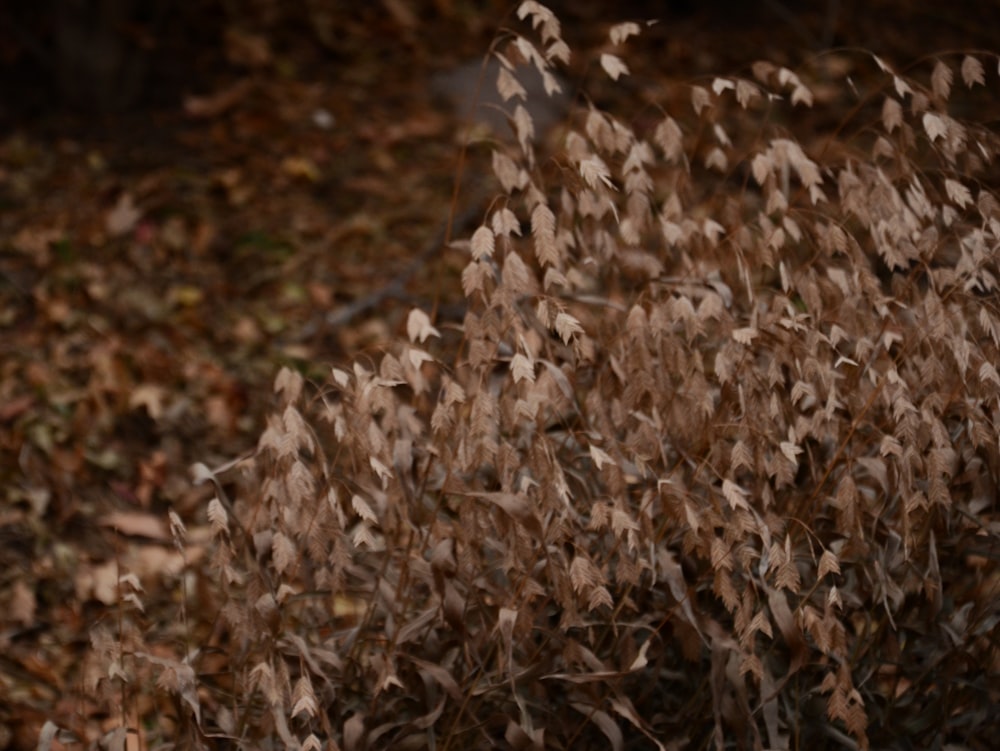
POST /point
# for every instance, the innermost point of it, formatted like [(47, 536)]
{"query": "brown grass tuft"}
[(712, 462)]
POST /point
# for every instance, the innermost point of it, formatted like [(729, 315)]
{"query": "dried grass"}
[(712, 462)]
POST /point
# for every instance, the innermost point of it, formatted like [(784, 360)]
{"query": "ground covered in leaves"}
[(158, 266)]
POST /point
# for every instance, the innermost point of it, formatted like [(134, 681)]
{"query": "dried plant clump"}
[(713, 461)]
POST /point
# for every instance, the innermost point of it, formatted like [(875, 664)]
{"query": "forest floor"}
[(157, 267)]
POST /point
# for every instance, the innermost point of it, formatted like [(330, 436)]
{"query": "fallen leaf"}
[(123, 217), (16, 406), (216, 104), (23, 604), (150, 396), (137, 524), (299, 166)]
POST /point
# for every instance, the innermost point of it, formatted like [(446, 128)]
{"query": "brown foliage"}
[(712, 457)]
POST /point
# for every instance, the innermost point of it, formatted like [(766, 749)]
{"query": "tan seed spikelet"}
[(700, 99), (624, 526), (598, 130), (723, 587), (742, 457), (297, 429), (301, 485), (762, 624), (341, 377), (734, 495), (542, 19), (363, 538), (261, 678), (958, 193), (600, 597), (517, 277), (746, 92), (276, 439), (453, 393), (363, 509), (218, 519), (972, 71), (716, 159), (177, 678), (178, 531), (482, 243), (901, 86), (528, 53), (567, 326), (524, 128), (508, 86), (601, 457), (511, 177), (712, 231), (792, 228), (504, 223), (304, 698), (638, 186), (596, 173), (791, 452), (763, 70), (669, 138), (817, 628), (941, 80), (543, 226), (383, 472), (785, 151), (802, 95), (522, 368), (557, 52), (935, 126), (584, 575), (761, 167), (284, 552), (614, 66), (721, 557), (418, 324), (288, 383), (719, 85), (745, 335), (857, 719), (475, 277), (619, 33), (788, 576), (828, 564), (892, 114), (600, 516), (743, 617)]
